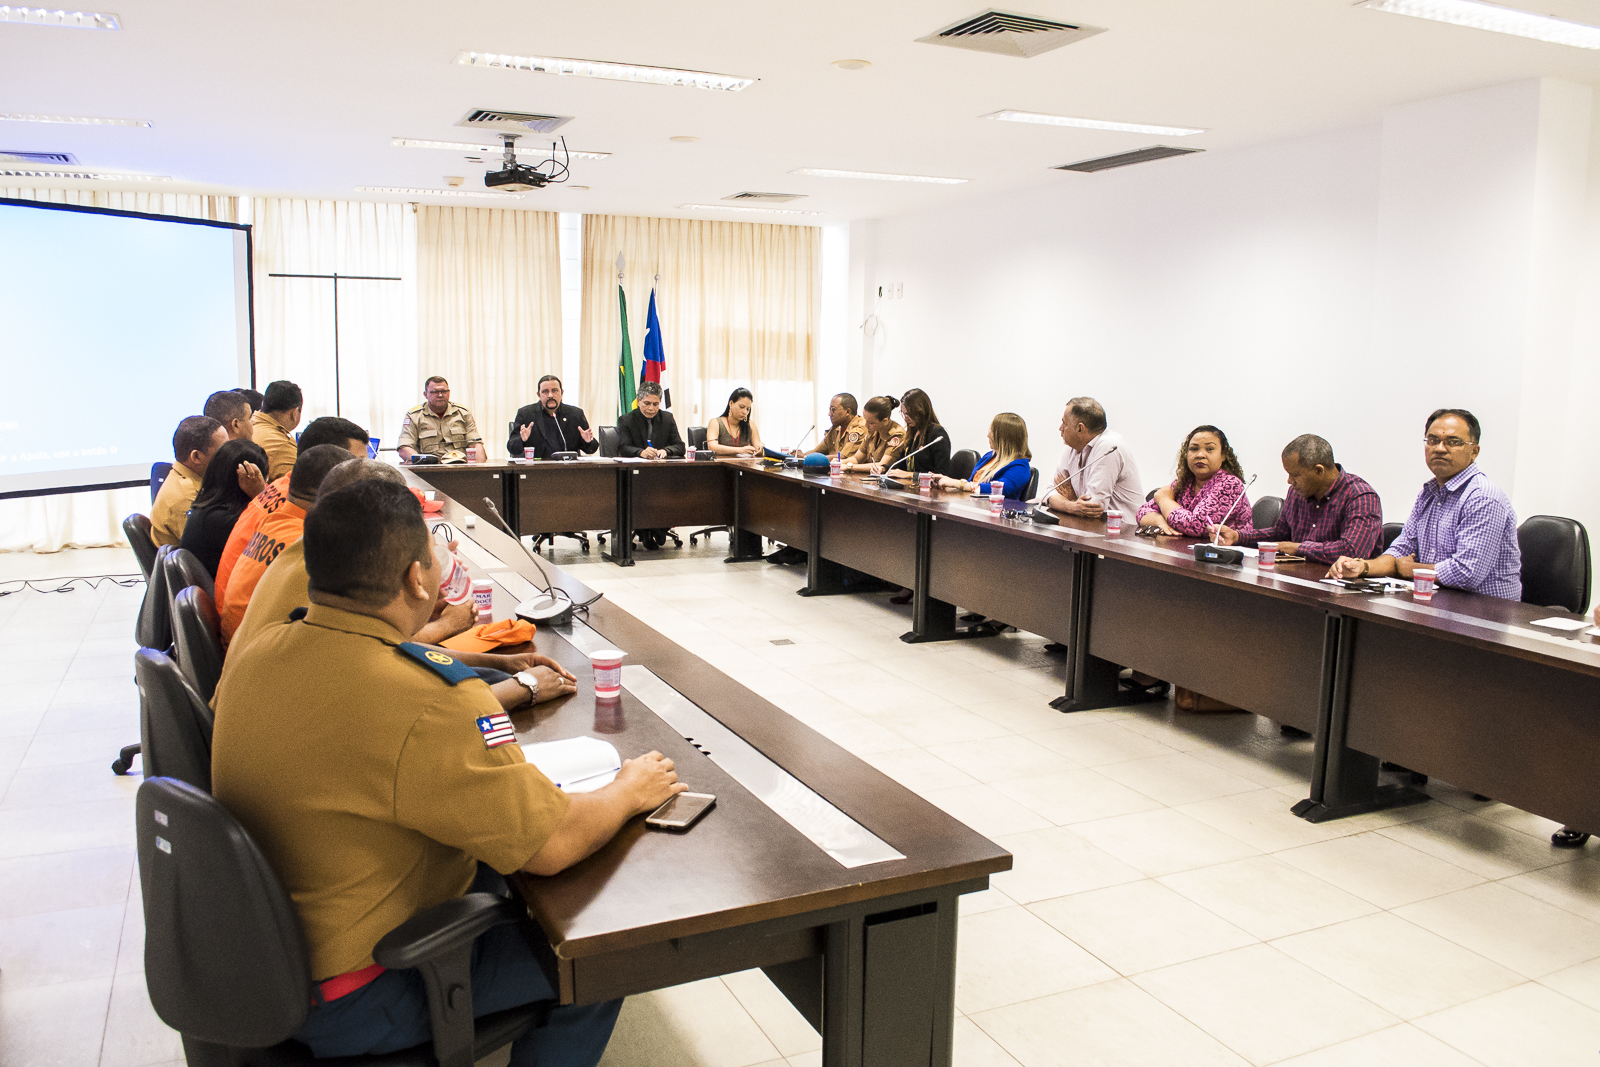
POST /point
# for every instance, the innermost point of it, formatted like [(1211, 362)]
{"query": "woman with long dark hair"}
[(922, 428), (732, 433), (1208, 484), (232, 479)]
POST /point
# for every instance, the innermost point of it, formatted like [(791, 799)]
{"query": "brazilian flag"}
[(627, 397)]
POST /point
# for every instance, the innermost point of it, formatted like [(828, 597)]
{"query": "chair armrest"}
[(430, 934)]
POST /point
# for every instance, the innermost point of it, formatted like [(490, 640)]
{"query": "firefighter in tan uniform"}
[(847, 431), (438, 427), (381, 778), (884, 436)]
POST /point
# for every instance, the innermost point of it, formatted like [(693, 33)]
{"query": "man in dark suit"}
[(650, 433), (550, 426)]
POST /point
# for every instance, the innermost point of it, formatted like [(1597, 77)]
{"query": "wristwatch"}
[(531, 681)]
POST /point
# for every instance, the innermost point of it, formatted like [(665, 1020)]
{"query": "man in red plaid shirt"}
[(1328, 513)]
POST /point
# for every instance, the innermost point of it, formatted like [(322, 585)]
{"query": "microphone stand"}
[(883, 479), (549, 609), (1211, 551)]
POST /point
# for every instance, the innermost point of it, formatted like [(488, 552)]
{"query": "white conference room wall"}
[(1343, 284)]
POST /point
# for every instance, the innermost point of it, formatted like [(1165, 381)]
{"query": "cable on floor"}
[(125, 581)]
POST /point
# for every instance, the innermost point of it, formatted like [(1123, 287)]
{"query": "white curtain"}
[(738, 304), (377, 367), (489, 308), (86, 520)]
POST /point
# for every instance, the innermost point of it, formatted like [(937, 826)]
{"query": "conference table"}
[(1464, 688), (841, 884)]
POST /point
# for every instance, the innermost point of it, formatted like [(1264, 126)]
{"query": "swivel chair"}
[(1391, 534), (174, 723), (961, 464), (610, 442), (136, 528), (197, 640), (225, 958), (1265, 511), (152, 628), (1033, 485), (1556, 567), (158, 474)]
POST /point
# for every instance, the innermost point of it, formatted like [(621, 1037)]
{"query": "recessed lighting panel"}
[(489, 149), (817, 172), (1480, 16), (436, 192), (618, 72), (71, 120), (48, 16), (81, 175), (852, 64), (1091, 124), (760, 210)]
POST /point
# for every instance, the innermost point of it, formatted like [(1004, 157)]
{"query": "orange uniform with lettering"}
[(279, 528)]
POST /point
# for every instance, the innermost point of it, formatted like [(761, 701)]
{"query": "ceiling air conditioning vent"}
[(766, 198), (1008, 34), (46, 158), (1124, 159), (512, 121)]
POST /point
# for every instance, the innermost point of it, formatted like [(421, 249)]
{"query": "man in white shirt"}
[(1096, 472)]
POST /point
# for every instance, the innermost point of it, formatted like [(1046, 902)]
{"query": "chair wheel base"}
[(1569, 839)]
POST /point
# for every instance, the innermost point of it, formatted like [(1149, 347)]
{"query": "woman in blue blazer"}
[(1006, 461)]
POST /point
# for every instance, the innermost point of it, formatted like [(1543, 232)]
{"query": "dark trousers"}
[(391, 1012)]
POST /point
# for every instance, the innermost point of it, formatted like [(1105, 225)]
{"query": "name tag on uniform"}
[(496, 730)]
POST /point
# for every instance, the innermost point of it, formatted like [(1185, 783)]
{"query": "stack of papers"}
[(576, 765), (1557, 622)]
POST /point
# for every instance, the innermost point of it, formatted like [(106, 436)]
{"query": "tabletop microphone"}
[(1211, 551), (794, 459), (547, 609), (884, 479)]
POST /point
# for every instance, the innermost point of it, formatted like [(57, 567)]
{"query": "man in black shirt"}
[(550, 426), (648, 432)]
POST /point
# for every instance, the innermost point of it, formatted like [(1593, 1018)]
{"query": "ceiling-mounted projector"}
[(514, 177)]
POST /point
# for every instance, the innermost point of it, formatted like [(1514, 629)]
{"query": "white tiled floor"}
[(1165, 907)]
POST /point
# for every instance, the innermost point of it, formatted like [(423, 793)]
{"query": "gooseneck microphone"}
[(1229, 512), (548, 609), (1211, 551), (908, 455)]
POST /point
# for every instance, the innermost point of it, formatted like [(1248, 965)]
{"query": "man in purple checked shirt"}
[(1461, 525), (1329, 511)]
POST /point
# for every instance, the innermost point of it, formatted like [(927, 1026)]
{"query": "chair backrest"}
[(610, 441), (185, 569), (1391, 533), (174, 723), (697, 437), (136, 528), (1033, 485), (158, 474), (961, 464), (1265, 511), (197, 639), (1151, 495), (225, 959), (1556, 566), (153, 628)]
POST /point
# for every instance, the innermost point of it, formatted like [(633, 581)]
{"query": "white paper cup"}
[(607, 664), (1267, 555), (1113, 521), (1422, 583)]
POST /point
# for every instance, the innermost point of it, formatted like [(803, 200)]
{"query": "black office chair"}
[(1556, 566), (1391, 533), (197, 640), (1265, 511), (158, 474), (225, 958), (174, 723), (136, 528), (1033, 485), (697, 438), (1151, 495), (610, 442), (152, 628), (961, 464), (183, 569)]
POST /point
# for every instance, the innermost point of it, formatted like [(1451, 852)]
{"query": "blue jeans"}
[(391, 1012)]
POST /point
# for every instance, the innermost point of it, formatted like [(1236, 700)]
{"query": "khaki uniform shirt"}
[(283, 587), (357, 763), (170, 512), (431, 434), (276, 443), (846, 439), (883, 446)]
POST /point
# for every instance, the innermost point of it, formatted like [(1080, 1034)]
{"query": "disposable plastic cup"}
[(1422, 583), (483, 598), (925, 484), (455, 583), (835, 465), (607, 664), (1267, 555), (997, 497), (1113, 521), (429, 493)]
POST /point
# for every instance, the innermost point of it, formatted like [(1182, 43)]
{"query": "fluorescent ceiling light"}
[(762, 210), (817, 172), (82, 175), (437, 192), (489, 149), (48, 16), (1481, 16), (618, 72), (1091, 124), (73, 120)]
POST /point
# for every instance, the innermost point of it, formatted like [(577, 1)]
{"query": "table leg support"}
[(1344, 782), (931, 620), (744, 546), (824, 577), (1091, 681), (621, 552)]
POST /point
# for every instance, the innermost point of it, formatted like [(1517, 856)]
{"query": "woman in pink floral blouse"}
[(1209, 483)]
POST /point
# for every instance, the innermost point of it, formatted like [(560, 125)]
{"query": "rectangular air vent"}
[(512, 121), (57, 159), (766, 198), (1008, 34), (1124, 159)]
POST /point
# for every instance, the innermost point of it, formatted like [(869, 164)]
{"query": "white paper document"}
[(576, 765), (1556, 622)]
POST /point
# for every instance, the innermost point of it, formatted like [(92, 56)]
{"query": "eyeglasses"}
[(1454, 444)]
